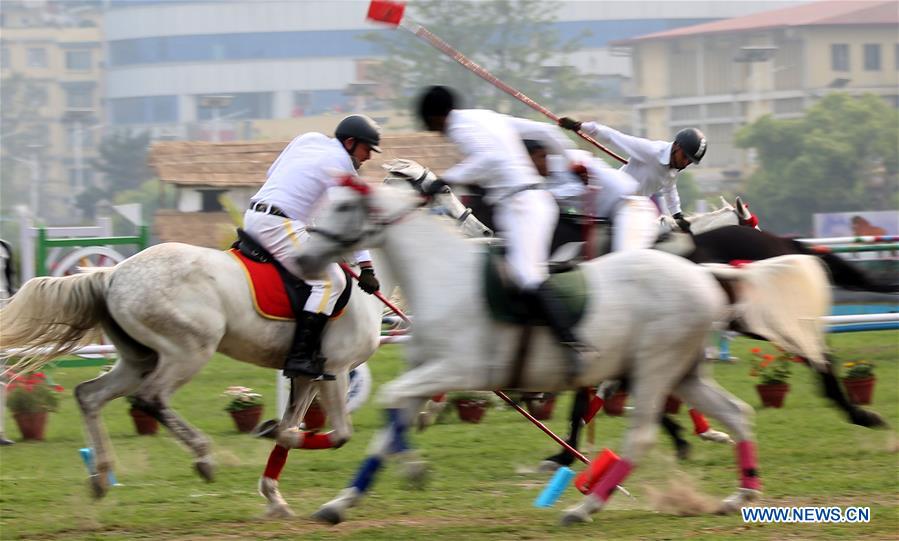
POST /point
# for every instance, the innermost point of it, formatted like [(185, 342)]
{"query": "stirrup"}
[(307, 368)]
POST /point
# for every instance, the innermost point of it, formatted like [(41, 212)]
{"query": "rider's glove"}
[(569, 124), (430, 187), (682, 222), (367, 280)]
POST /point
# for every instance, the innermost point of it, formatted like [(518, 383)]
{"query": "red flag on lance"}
[(386, 12)]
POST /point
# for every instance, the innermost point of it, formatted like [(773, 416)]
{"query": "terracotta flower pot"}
[(314, 419), (471, 411), (31, 425), (542, 409), (773, 394), (144, 423), (614, 406), (860, 390), (247, 419), (672, 405)]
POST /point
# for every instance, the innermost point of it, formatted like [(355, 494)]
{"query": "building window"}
[(78, 60), (145, 110), (37, 96), (4, 58), (210, 201), (839, 57), (241, 105), (79, 97), (86, 179), (872, 57), (37, 57)]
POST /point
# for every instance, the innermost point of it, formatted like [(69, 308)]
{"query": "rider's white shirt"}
[(648, 163), (494, 156)]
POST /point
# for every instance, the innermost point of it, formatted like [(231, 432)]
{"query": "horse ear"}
[(742, 209), (724, 203)]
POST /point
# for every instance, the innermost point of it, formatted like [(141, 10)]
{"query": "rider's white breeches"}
[(526, 221), (283, 238), (635, 224)]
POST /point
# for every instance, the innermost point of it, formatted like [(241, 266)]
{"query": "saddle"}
[(277, 294), (506, 302)]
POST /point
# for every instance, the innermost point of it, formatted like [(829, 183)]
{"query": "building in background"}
[(250, 69), (722, 75), (52, 57)]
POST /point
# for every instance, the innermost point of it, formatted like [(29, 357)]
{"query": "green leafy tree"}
[(122, 158), (514, 40), (841, 156)]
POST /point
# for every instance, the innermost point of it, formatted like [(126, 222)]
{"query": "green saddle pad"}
[(506, 303)]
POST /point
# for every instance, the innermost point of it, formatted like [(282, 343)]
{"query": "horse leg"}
[(402, 398), (575, 423), (832, 390), (302, 392), (736, 416), (91, 397), (674, 430), (649, 393)]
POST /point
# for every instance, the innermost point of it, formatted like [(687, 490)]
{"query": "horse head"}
[(400, 171), (353, 218)]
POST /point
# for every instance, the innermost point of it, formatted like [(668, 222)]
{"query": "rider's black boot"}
[(560, 323), (304, 357)]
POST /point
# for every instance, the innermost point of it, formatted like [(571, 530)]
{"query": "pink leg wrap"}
[(613, 477), (746, 459), (700, 424), (314, 440), (276, 460)]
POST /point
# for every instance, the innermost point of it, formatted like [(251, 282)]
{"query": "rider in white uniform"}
[(582, 181), (525, 213), (280, 211), (654, 164)]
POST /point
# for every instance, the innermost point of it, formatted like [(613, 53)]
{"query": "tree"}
[(514, 40), (23, 134), (123, 160), (841, 156)]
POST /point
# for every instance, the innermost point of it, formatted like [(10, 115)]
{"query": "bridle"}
[(377, 225)]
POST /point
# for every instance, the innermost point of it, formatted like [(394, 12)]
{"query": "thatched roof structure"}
[(244, 164)]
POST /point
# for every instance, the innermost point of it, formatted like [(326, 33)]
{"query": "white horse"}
[(167, 310), (727, 214), (647, 317)]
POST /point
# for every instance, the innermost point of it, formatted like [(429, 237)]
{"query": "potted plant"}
[(144, 423), (30, 397), (245, 407), (614, 406), (471, 405), (859, 381), (540, 405), (773, 373)]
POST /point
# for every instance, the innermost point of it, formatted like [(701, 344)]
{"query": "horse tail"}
[(846, 275), (50, 317)]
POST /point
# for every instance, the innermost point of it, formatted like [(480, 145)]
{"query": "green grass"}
[(808, 455)]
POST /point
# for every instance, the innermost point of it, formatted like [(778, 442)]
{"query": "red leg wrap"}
[(593, 408), (700, 424), (276, 460), (748, 463), (315, 440)]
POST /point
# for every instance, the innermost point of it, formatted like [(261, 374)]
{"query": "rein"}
[(377, 227)]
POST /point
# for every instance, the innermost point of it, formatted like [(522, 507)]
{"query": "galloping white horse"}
[(167, 310), (647, 317)]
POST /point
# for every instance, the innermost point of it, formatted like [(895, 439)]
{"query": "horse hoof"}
[(683, 451), (571, 518), (278, 511), (868, 419), (328, 515), (417, 474), (98, 485), (205, 468), (548, 466), (738, 499)]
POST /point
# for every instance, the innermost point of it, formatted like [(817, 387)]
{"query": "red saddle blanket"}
[(266, 287), (268, 291)]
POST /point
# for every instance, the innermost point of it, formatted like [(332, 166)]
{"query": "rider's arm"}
[(672, 197), (553, 138), (363, 258), (481, 159), (637, 148)]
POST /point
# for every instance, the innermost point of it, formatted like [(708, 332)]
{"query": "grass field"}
[(808, 455)]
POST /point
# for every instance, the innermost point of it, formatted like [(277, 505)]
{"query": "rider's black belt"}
[(265, 208)]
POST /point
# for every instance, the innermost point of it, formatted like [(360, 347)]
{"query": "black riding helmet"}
[(692, 142), (360, 128), (435, 101)]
